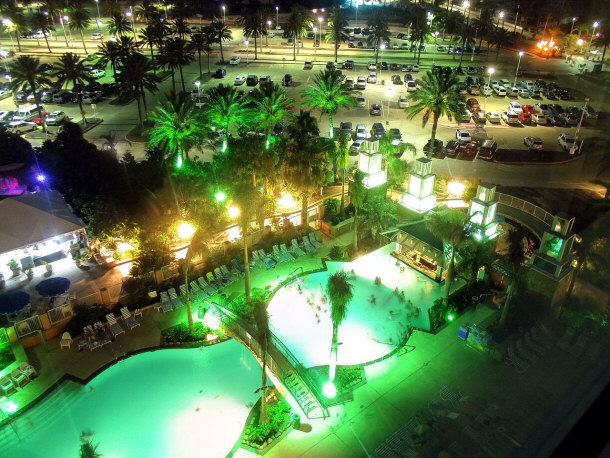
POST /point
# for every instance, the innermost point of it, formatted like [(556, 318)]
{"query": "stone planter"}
[(16, 272), (336, 230), (30, 274)]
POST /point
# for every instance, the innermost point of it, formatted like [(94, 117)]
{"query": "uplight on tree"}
[(185, 231)]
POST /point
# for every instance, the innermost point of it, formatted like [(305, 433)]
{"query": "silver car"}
[(361, 131)]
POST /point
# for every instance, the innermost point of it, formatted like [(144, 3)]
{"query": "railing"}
[(279, 360), (28, 326), (527, 207), (60, 313)]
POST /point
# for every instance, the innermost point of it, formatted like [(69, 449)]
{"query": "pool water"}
[(166, 403)]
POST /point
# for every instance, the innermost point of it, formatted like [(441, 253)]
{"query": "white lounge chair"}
[(28, 370), (296, 249), (166, 303), (7, 386), (183, 293), (213, 282), (128, 319), (289, 256), (281, 257), (220, 277), (66, 340), (227, 274), (314, 240), (19, 378), (208, 289), (115, 328), (173, 297), (307, 245), (268, 260)]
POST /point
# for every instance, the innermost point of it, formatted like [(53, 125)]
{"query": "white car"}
[(533, 143), (494, 117), (524, 92), (411, 86), (466, 116), (355, 148), (239, 80), (566, 141), (462, 135), (486, 90), (361, 83), (372, 78), (97, 36), (515, 107), (510, 117), (97, 72), (349, 82), (504, 82), (403, 102), (19, 127), (543, 108), (91, 98), (55, 117), (361, 131), (500, 90), (372, 66), (361, 101), (234, 60), (414, 68), (513, 91)]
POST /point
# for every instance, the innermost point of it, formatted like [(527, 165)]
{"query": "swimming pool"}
[(167, 403)]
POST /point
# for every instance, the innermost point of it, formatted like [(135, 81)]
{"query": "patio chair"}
[(220, 277), (268, 260), (66, 340), (296, 249), (307, 245), (197, 291), (103, 336), (166, 303), (208, 289), (538, 349), (227, 273), (384, 451), (95, 343), (7, 386), (255, 259), (447, 394), (314, 240), (289, 257), (400, 446), (519, 363), (525, 353), (28, 370), (115, 328), (184, 292), (19, 378), (540, 338), (173, 297), (238, 267), (281, 257), (128, 319)]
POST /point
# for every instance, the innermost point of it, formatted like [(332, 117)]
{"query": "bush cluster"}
[(278, 414), (181, 334)]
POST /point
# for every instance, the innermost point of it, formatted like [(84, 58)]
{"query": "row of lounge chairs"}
[(282, 253), (18, 378), (529, 348), (97, 336)]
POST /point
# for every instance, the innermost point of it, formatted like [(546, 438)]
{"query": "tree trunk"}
[(199, 54), (182, 78), (83, 39), (433, 136), (418, 52), (139, 107), (244, 231), (38, 108), (173, 80), (509, 295), (47, 41), (294, 48), (263, 418), (222, 57), (19, 41), (355, 242), (152, 59), (336, 49), (331, 134), (332, 366), (342, 208), (80, 105), (189, 315), (450, 274), (255, 49), (209, 71), (304, 205), (144, 99)]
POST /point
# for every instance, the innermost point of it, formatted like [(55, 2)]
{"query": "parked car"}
[(239, 80), (488, 149), (543, 108), (529, 109), (569, 119), (452, 148), (371, 65), (20, 127), (473, 89), (525, 118), (438, 146), (372, 78), (466, 116), (396, 79), (473, 104), (346, 128), (90, 97), (411, 86), (361, 101), (533, 143), (524, 92), (499, 90), (470, 149), (251, 80), (554, 120), (375, 109), (61, 96), (354, 149), (55, 118), (97, 36), (486, 90), (396, 136), (97, 73), (308, 65), (556, 108), (509, 117), (47, 95), (494, 117), (566, 141), (478, 117), (462, 135), (361, 131), (349, 83), (515, 107), (377, 130), (287, 80), (234, 60), (539, 118), (414, 68), (403, 102)]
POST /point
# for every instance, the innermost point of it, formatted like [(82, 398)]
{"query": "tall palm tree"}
[(223, 107), (178, 125), (271, 109), (305, 166), (342, 160), (180, 27), (109, 52), (379, 30), (500, 38), (253, 26), (148, 38), (26, 75), (263, 335), (389, 150), (514, 258), (299, 22), (69, 70), (328, 94), (222, 32), (207, 40), (146, 11), (338, 22), (449, 226), (377, 215), (176, 55), (466, 38), (475, 254), (42, 22), (303, 124), (53, 9), (137, 74), (340, 292), (603, 40), (89, 450), (119, 25), (357, 193), (127, 45), (437, 95), (16, 21), (80, 20)]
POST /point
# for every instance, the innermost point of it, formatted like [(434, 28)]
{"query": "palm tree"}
[(119, 25), (53, 9), (127, 45), (208, 40), (603, 40), (379, 30), (146, 12), (299, 22), (500, 38), (197, 247), (42, 22), (137, 74), (111, 140), (389, 151), (263, 335), (305, 166), (109, 52), (449, 226), (377, 215), (466, 39), (254, 26), (437, 95), (223, 107), (178, 125), (199, 43), (176, 55), (271, 109), (303, 124), (70, 72), (148, 38), (89, 450), (180, 27), (222, 32), (338, 22), (340, 293), (80, 19), (357, 193), (328, 94), (16, 21), (475, 254), (26, 74), (515, 257), (342, 161)]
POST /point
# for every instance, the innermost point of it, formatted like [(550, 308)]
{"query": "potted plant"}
[(78, 260), (12, 264), (29, 271), (48, 267)]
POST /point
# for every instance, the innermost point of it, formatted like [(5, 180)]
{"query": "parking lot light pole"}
[(99, 18), (389, 91), (582, 115), (595, 25), (277, 16), (315, 48), (572, 28), (268, 27), (246, 42), (382, 47), (517, 72), (198, 84), (491, 71), (224, 14), (356, 13)]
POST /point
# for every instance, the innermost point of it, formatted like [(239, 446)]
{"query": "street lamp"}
[(67, 19), (224, 13), (518, 63), (595, 25), (8, 24), (356, 13), (320, 19), (572, 28), (389, 91), (268, 27), (501, 17), (277, 16), (198, 83), (582, 115), (491, 71), (580, 42), (129, 14), (315, 48), (246, 42), (382, 47), (99, 17)]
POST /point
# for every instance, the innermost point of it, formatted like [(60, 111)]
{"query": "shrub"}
[(278, 415), (85, 315), (439, 312), (337, 253), (181, 334), (6, 355), (347, 377), (331, 207)]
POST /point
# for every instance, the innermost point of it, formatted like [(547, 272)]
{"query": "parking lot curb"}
[(575, 158)]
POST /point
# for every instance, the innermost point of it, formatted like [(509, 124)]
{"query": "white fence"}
[(527, 207)]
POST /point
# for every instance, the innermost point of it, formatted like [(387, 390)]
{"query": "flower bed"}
[(201, 335), (261, 435)]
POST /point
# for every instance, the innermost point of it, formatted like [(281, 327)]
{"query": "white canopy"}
[(33, 218)]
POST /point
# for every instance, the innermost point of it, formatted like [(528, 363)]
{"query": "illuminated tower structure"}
[(420, 196), (482, 213), (370, 164)]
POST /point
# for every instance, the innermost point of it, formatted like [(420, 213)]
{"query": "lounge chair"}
[(525, 353), (213, 282), (115, 328), (173, 297), (314, 240), (384, 451), (238, 267), (197, 291), (66, 340), (184, 292), (289, 256), (519, 363), (307, 245), (447, 394), (540, 338), (401, 446), (265, 258), (19, 378), (296, 249), (538, 349), (227, 273), (208, 289), (95, 343), (166, 303), (281, 257), (220, 277), (28, 370), (7, 386), (128, 319), (103, 338)]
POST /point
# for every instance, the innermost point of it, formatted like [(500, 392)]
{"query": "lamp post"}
[(67, 20), (382, 47), (573, 22), (198, 84), (268, 27), (61, 21), (518, 63), (580, 42), (389, 91), (315, 48), (277, 16), (129, 14), (595, 25), (8, 24), (356, 13), (491, 71), (320, 19), (500, 16), (516, 17), (224, 16), (582, 115), (99, 18), (246, 42)]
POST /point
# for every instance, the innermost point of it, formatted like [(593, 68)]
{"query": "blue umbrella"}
[(52, 287), (14, 302)]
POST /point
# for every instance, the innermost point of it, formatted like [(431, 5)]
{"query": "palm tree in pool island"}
[(328, 93), (340, 293), (263, 335), (437, 96)]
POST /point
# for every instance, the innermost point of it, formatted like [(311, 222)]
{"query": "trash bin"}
[(463, 331), (296, 421)]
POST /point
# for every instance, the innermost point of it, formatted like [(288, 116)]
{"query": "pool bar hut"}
[(420, 249)]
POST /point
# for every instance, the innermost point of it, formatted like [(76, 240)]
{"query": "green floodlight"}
[(220, 196), (179, 162), (329, 390), (224, 145), (11, 407), (450, 317)]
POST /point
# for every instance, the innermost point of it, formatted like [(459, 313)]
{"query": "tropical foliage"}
[(340, 293)]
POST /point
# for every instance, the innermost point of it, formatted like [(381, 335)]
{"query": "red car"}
[(525, 118), (470, 149), (473, 104), (528, 109)]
